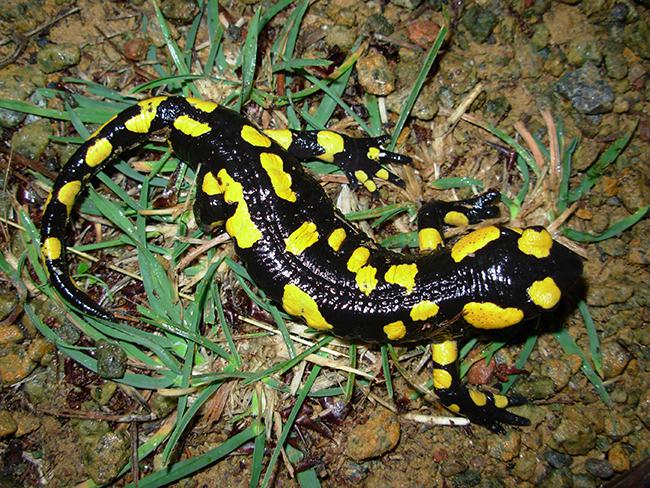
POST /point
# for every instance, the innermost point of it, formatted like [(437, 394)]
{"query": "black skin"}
[(498, 273)]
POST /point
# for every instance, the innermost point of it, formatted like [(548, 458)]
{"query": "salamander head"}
[(522, 273)]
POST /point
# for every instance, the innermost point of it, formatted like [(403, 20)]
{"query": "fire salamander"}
[(316, 265)]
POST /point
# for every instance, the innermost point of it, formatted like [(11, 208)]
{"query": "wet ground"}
[(584, 62)]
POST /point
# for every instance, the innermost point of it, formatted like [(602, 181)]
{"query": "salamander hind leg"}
[(484, 408)]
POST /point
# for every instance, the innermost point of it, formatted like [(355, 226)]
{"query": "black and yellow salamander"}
[(317, 266)]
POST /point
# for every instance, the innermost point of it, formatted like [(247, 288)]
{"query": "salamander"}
[(306, 257)]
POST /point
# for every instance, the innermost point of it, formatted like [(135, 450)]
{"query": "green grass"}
[(176, 351)]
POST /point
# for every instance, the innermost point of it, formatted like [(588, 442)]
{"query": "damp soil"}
[(584, 62)]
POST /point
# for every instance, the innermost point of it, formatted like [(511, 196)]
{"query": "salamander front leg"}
[(360, 158), (210, 209), (480, 407)]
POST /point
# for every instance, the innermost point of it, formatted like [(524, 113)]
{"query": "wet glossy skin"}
[(300, 250)]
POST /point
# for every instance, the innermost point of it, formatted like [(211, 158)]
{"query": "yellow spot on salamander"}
[(373, 153), (402, 275), (444, 353), (454, 407), (424, 310), (536, 243), (240, 226), (362, 176), (203, 105), (358, 259), (429, 239), (456, 219), (544, 293), (210, 185), (280, 179), (336, 238), (284, 137), (332, 144), (395, 330), (478, 397), (301, 238), (488, 315), (299, 304), (141, 123), (441, 379), (254, 137), (366, 280), (382, 174), (474, 241), (98, 152), (191, 127), (68, 193), (500, 401), (51, 248)]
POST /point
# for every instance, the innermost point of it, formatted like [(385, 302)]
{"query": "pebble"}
[(559, 371), (423, 32), (379, 24), (10, 334), (583, 49), (425, 107), (15, 365), (57, 57), (558, 459), (136, 49), (619, 458), (588, 93), (111, 360), (574, 434), (105, 455), (7, 424), (615, 359), (31, 140), (377, 436), (600, 468), (26, 423), (505, 448), (479, 22), (341, 36), (182, 11), (375, 75), (637, 37)]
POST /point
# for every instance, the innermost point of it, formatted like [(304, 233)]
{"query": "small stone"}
[(619, 458), (31, 140), (559, 372), (377, 436), (409, 4), (452, 467), (505, 448), (633, 188), (541, 37), (558, 459), (7, 423), (583, 49), (615, 61), (10, 334), (586, 90), (637, 37), (615, 359), (525, 466), (584, 480), (574, 434), (599, 468), (136, 49), (26, 423), (479, 22), (111, 360), (38, 348), (379, 24), (182, 11), (341, 36), (57, 57), (535, 387), (15, 365), (467, 479), (557, 478), (375, 74), (105, 455), (423, 32)]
